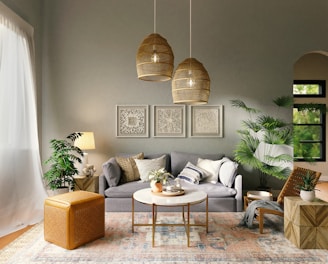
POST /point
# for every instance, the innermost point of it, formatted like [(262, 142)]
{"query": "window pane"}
[(307, 150), (308, 89), (306, 116), (306, 133)]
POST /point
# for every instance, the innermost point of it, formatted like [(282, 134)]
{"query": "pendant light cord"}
[(190, 28), (154, 16)]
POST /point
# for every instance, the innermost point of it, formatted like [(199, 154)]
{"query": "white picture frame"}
[(132, 121), (206, 121), (169, 121)]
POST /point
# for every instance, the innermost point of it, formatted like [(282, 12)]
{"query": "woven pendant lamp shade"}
[(147, 68), (185, 92)]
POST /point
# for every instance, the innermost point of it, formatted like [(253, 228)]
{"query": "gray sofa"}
[(118, 196)]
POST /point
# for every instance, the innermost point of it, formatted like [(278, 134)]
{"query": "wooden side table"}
[(84, 183), (306, 223)]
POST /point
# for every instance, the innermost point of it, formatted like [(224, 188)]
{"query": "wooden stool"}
[(73, 219)]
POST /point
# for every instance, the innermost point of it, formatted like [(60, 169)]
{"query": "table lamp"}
[(84, 142)]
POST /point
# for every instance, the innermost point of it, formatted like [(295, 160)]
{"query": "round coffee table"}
[(189, 198)]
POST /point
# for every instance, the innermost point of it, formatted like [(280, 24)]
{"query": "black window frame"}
[(322, 85), (322, 124)]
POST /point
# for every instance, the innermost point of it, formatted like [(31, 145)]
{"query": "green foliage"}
[(242, 105), (284, 101), (267, 129), (309, 182), (62, 160)]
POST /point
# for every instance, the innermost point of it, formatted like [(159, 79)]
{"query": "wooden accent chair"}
[(290, 188)]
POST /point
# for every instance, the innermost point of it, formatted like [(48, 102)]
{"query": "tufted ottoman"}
[(73, 219)]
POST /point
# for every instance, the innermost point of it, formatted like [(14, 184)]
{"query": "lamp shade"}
[(155, 59), (86, 141), (191, 83)]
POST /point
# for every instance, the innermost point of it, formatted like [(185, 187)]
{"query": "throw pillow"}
[(112, 172), (147, 165), (192, 173), (228, 171), (129, 168), (212, 167)]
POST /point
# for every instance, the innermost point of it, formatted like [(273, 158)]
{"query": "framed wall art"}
[(132, 121), (206, 121), (169, 121)]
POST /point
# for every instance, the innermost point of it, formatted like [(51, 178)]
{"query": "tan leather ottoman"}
[(73, 219)]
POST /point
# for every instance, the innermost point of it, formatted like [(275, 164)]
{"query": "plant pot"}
[(61, 190), (156, 186), (307, 195)]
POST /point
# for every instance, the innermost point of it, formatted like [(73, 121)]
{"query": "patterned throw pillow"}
[(129, 167), (192, 174), (147, 165)]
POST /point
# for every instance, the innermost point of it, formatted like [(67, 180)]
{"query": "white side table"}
[(189, 198)]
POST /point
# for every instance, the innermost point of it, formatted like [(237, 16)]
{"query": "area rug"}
[(226, 242)]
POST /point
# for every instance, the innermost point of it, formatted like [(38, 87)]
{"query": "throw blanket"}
[(250, 211)]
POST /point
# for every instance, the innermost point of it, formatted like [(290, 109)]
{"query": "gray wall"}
[(89, 46), (31, 12)]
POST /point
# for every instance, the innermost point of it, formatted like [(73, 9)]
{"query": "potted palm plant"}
[(62, 163), (266, 142)]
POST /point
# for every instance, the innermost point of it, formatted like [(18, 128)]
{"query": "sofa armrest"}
[(239, 196), (103, 184)]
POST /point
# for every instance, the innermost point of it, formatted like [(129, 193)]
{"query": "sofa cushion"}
[(147, 165), (180, 159), (126, 190), (167, 159), (129, 167), (192, 173), (112, 172), (217, 190), (212, 167), (228, 171)]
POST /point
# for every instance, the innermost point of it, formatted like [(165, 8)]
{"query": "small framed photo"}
[(206, 121), (132, 121), (169, 121)]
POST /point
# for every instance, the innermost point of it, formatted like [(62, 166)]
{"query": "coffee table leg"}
[(207, 214), (188, 226), (153, 226), (132, 215)]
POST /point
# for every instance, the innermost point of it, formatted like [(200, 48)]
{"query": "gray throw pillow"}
[(112, 172)]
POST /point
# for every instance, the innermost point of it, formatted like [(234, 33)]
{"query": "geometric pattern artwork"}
[(169, 121), (132, 121), (306, 223), (206, 121)]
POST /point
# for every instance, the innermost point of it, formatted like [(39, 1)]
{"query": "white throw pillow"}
[(147, 165), (192, 173), (228, 171), (212, 167)]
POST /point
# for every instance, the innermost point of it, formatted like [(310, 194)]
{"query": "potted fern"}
[(266, 142), (62, 163)]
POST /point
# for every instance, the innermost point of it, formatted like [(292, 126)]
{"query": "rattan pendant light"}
[(191, 82), (155, 57)]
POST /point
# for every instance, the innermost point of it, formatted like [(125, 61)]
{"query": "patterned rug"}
[(226, 242)]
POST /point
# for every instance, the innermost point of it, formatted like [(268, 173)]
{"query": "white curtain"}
[(22, 192)]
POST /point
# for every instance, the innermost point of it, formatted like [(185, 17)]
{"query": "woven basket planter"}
[(147, 69), (182, 91)]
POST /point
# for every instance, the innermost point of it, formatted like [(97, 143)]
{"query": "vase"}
[(307, 195), (156, 186)]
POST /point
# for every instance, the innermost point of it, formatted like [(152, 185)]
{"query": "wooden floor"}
[(5, 240)]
